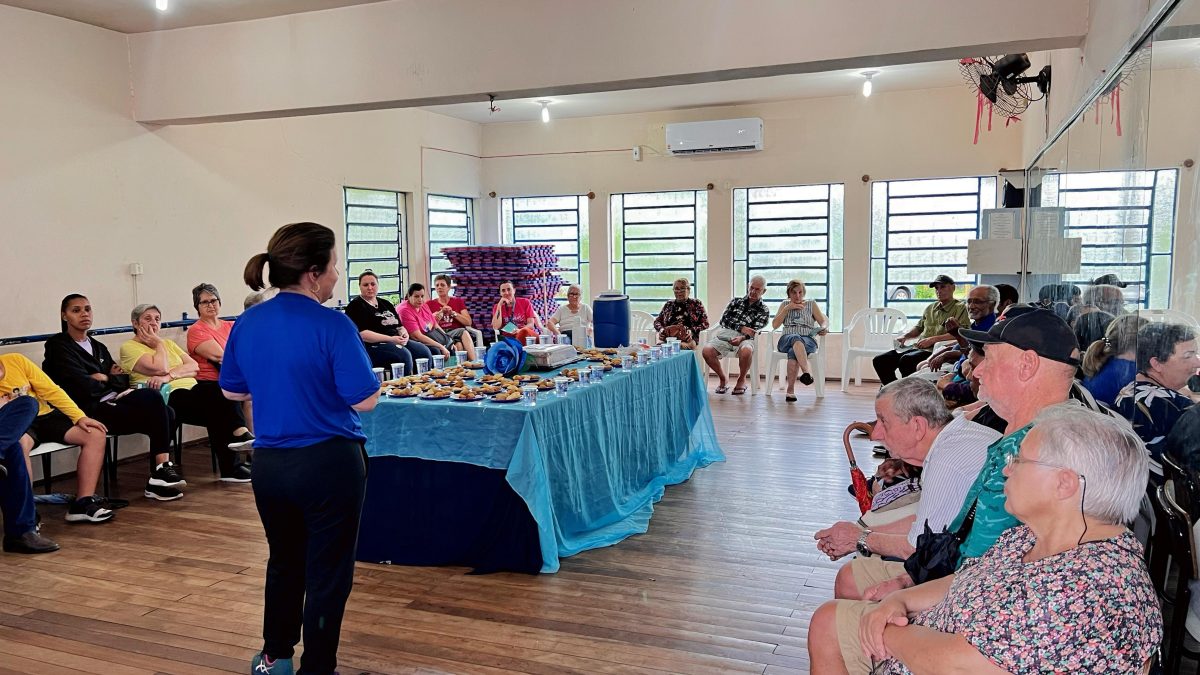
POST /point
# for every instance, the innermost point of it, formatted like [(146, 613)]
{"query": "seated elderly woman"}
[(1066, 591), (802, 322), (682, 318), (515, 317), (206, 340), (165, 367), (573, 318)]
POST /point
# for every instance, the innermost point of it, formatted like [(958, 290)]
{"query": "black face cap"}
[(941, 279), (1038, 330), (1109, 280)]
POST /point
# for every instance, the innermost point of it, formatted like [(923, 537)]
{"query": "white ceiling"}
[(140, 16), (732, 92)]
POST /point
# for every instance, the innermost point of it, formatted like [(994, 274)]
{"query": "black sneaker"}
[(88, 510), (113, 503), (167, 475), (806, 379), (239, 474), (161, 493), (243, 439)]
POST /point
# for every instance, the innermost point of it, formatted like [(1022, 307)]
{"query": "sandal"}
[(738, 391), (791, 398), (721, 389)]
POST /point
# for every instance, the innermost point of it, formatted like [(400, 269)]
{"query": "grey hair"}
[(1158, 340), (260, 296), (759, 277), (140, 310), (203, 287), (917, 397), (993, 295), (1104, 451)]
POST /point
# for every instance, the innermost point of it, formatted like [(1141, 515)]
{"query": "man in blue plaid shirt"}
[(735, 334)]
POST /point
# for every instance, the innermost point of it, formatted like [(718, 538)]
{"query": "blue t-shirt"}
[(304, 365), (1113, 376)]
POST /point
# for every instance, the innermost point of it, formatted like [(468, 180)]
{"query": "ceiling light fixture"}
[(160, 5), (545, 110), (867, 86)]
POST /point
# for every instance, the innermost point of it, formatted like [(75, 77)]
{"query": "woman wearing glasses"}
[(1066, 591), (573, 318), (206, 341)]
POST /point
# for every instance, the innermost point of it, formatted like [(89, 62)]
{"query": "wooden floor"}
[(724, 581)]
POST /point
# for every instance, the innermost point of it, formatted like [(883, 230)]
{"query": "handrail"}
[(27, 339)]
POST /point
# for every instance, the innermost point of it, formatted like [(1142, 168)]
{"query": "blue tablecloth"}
[(589, 466)]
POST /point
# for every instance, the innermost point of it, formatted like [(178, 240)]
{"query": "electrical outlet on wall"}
[(135, 269), (637, 153)]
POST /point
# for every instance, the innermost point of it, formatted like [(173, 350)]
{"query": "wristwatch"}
[(861, 546)]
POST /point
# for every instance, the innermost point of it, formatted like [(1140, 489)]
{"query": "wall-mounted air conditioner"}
[(694, 138)]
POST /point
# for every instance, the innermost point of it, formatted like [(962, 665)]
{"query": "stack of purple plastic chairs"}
[(479, 271)]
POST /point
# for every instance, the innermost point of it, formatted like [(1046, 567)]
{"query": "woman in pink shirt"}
[(514, 317), (418, 320), (452, 316)]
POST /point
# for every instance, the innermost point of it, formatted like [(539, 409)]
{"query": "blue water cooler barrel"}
[(610, 315)]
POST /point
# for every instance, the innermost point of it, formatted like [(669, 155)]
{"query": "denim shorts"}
[(786, 342)]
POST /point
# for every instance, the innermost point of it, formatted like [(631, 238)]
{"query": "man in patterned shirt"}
[(740, 323)]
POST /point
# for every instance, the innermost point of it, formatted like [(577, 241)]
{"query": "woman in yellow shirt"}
[(164, 366), (59, 420)]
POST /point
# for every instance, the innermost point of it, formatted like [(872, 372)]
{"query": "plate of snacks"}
[(473, 365), (400, 392), (466, 396), (507, 397), (570, 373), (435, 395), (528, 378), (545, 385), (492, 378), (488, 389)]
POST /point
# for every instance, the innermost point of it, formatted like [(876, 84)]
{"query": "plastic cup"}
[(397, 371), (546, 339), (643, 357), (656, 353), (460, 357), (597, 373), (561, 384), (530, 341), (626, 362), (529, 394), (422, 366), (378, 374), (439, 361), (564, 339), (585, 376)]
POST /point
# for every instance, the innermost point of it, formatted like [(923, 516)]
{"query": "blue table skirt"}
[(589, 466)]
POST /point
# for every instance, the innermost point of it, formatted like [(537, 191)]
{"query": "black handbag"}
[(937, 553), (439, 336)]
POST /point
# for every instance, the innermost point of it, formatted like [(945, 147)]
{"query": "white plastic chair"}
[(641, 324), (881, 325), (730, 362), (816, 359), (1169, 316)]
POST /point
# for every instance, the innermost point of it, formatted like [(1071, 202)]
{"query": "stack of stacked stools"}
[(478, 272)]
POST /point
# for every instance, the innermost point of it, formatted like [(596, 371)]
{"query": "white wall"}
[(86, 190), (913, 134)]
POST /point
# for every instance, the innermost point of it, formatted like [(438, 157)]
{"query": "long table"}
[(513, 487)]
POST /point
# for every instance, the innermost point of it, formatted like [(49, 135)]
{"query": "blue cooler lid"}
[(611, 295)]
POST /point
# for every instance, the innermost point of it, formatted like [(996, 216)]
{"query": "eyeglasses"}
[(214, 301), (1014, 460)]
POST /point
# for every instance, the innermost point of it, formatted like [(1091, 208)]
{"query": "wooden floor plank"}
[(725, 580)]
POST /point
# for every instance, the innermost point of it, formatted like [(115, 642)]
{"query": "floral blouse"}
[(1091, 609), (689, 313)]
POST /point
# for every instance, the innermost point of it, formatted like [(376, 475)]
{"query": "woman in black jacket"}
[(84, 367)]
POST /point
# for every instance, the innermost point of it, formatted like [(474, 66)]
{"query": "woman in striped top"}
[(802, 321)]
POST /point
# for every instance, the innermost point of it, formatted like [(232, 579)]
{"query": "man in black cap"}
[(931, 329)]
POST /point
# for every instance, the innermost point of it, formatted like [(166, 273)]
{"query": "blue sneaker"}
[(261, 665)]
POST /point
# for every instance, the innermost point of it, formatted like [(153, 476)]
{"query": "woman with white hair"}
[(1067, 591), (573, 318), (802, 322)]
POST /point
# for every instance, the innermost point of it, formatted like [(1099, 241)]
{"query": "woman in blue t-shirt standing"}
[(304, 367)]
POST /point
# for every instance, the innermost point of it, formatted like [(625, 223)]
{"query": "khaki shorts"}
[(719, 340), (874, 570), (847, 617)]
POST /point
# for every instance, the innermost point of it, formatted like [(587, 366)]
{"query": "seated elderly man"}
[(1065, 592), (1166, 358), (981, 309), (735, 334), (915, 426), (931, 329), (1029, 364)]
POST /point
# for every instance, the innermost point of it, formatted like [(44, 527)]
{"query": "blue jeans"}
[(383, 355), (786, 342), (16, 493)]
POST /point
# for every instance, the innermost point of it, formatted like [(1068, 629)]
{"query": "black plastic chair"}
[(1176, 526)]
